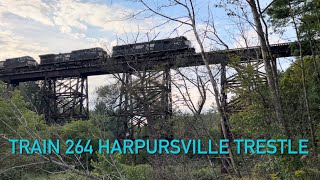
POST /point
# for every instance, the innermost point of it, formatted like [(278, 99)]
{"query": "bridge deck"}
[(119, 65)]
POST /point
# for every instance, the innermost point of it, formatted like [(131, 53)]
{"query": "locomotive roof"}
[(43, 55), (152, 41), (51, 54), (23, 57), (99, 48)]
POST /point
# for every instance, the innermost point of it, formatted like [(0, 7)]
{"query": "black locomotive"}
[(54, 58), (85, 54), (164, 45), (19, 62), (78, 55)]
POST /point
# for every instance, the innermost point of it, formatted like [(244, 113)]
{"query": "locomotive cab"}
[(1, 65), (186, 42)]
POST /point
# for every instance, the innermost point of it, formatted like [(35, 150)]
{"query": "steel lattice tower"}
[(65, 98), (145, 101)]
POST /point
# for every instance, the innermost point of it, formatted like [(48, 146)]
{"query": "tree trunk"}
[(303, 77), (223, 116), (268, 68)]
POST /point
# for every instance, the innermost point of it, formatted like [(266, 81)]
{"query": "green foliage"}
[(287, 167), (292, 94), (306, 16), (141, 171), (16, 117), (279, 13), (17, 121), (186, 125), (61, 176), (107, 98), (77, 130), (31, 93), (107, 166), (205, 173), (111, 166), (254, 122)]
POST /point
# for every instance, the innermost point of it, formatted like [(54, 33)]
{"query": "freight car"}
[(85, 54), (74, 56), (54, 58), (16, 63), (164, 45)]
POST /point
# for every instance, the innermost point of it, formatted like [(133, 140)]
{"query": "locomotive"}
[(19, 62), (54, 58), (85, 54), (78, 55), (164, 45)]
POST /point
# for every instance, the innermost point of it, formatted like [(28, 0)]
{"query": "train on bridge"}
[(77, 57)]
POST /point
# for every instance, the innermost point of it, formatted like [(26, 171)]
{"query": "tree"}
[(191, 21), (19, 122), (302, 15), (270, 71)]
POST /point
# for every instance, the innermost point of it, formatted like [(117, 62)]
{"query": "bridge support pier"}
[(145, 104), (246, 76), (65, 99)]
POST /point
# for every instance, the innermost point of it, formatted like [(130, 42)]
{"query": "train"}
[(78, 55), (178, 44), (53, 59), (16, 63)]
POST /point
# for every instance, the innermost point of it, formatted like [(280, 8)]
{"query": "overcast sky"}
[(34, 27)]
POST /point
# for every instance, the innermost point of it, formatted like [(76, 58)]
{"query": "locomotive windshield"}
[(188, 43), (139, 46)]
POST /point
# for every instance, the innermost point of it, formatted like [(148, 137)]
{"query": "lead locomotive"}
[(177, 44)]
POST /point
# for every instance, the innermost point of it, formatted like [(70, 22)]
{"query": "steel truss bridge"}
[(145, 97)]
